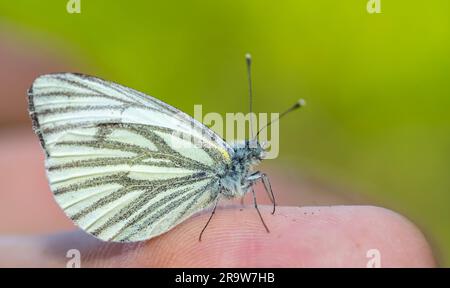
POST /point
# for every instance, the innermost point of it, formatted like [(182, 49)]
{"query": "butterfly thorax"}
[(235, 179)]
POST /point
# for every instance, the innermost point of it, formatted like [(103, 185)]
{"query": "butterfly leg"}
[(210, 217), (267, 186), (259, 213), (265, 180)]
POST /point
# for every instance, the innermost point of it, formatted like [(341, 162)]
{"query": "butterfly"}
[(122, 164)]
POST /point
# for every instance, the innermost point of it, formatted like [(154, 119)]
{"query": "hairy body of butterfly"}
[(118, 161), (238, 176)]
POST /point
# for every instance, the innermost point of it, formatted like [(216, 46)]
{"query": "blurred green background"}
[(377, 85)]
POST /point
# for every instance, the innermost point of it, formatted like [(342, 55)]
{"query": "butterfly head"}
[(250, 151)]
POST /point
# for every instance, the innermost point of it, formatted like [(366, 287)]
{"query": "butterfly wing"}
[(124, 166)]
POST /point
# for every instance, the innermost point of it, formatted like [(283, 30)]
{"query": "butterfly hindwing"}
[(124, 166)]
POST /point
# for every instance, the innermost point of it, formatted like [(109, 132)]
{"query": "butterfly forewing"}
[(123, 165)]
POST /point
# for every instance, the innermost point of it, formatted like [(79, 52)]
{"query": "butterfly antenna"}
[(248, 59), (298, 104)]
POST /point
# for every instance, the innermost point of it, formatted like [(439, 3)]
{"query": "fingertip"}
[(334, 236), (326, 236)]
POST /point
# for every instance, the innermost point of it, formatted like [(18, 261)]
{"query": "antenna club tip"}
[(248, 57), (301, 102)]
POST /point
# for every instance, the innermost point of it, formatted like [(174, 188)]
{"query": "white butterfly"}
[(117, 162)]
